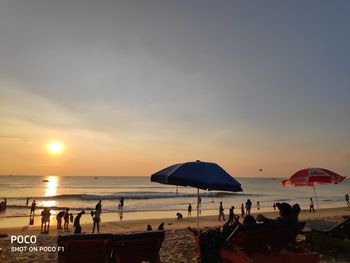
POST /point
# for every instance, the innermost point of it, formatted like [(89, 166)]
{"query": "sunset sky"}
[(129, 87)]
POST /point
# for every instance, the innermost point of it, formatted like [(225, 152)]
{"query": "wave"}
[(134, 196), (42, 207)]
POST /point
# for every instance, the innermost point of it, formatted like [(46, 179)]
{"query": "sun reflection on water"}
[(50, 190)]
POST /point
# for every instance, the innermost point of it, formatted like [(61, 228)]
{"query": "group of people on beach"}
[(66, 217), (245, 210), (288, 215)]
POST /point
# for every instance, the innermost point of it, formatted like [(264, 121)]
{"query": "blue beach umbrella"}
[(201, 175)]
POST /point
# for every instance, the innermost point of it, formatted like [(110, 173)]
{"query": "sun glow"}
[(55, 147)]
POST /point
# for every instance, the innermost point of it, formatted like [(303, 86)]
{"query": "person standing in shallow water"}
[(347, 199), (32, 208)]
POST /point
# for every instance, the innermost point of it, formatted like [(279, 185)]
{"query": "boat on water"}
[(45, 181)]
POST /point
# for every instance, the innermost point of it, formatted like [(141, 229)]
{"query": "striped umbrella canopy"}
[(312, 176)]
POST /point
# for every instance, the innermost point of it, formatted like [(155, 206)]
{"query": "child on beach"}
[(311, 206), (258, 205), (179, 215), (189, 210), (242, 210), (274, 206)]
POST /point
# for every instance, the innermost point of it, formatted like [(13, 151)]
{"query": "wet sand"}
[(178, 245)]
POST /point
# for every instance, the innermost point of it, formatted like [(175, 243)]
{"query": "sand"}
[(178, 245)]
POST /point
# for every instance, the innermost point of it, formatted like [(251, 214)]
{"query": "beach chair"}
[(87, 248), (339, 230), (138, 247), (265, 243)]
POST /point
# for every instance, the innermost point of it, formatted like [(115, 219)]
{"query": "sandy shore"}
[(177, 247)]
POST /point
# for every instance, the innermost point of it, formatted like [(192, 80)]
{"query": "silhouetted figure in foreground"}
[(99, 206), (77, 223), (59, 218), (96, 217), (66, 218), (161, 226), (287, 214), (249, 220)]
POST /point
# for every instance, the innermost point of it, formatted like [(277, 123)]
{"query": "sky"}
[(131, 87)]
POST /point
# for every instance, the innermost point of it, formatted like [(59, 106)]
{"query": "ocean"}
[(145, 199)]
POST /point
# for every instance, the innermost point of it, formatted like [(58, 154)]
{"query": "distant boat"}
[(95, 178), (45, 181)]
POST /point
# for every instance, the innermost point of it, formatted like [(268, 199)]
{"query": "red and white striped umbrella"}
[(307, 177), (310, 176)]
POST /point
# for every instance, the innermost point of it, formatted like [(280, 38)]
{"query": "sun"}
[(55, 147)]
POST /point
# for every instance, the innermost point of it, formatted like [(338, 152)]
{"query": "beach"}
[(178, 245)]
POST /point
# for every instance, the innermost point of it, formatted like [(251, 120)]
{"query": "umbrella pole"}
[(198, 209), (318, 210)]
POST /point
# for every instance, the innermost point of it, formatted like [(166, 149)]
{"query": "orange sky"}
[(132, 88)]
